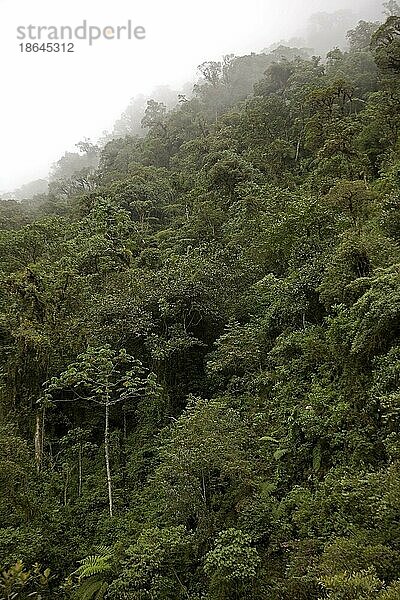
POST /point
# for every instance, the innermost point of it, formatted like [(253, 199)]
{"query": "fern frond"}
[(93, 565)]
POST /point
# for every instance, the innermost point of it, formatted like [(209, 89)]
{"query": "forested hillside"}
[(200, 345)]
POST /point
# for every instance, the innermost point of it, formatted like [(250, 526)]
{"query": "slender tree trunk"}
[(107, 456), (38, 441), (204, 494), (125, 426), (184, 588), (43, 424), (298, 149), (123, 457), (80, 471)]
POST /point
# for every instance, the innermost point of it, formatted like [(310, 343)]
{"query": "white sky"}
[(48, 102)]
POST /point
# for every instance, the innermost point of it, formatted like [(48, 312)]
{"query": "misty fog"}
[(50, 102)]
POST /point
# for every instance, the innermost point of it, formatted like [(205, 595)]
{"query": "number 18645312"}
[(48, 47)]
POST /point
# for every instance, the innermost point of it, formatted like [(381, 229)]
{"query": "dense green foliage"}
[(200, 344)]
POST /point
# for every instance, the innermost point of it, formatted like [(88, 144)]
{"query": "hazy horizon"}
[(52, 101)]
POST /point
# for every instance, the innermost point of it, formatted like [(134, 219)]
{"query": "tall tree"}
[(106, 378)]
